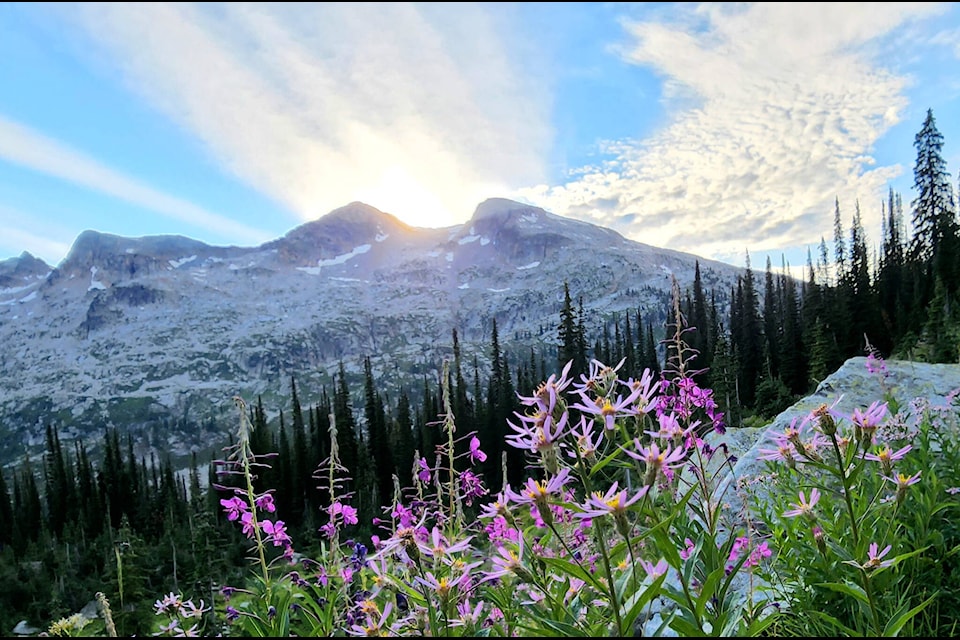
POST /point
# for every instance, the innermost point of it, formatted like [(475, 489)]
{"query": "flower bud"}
[(827, 425)]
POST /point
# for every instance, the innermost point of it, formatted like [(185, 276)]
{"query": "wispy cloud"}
[(777, 109), (23, 146), (318, 105), (50, 243)]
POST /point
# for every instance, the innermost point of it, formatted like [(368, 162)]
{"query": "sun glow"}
[(402, 195)]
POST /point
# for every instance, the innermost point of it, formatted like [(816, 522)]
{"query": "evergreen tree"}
[(890, 280), (772, 323), (748, 341), (700, 338), (840, 261), (793, 366), (346, 429), (403, 441), (861, 296), (300, 462), (934, 215), (6, 514), (650, 351), (378, 444)]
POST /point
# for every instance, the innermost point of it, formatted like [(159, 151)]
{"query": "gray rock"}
[(851, 387), (23, 629)]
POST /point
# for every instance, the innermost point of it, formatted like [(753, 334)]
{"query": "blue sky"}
[(710, 128)]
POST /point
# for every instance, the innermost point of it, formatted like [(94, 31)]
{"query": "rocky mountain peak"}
[(18, 271), (126, 257), (502, 211), (337, 232)]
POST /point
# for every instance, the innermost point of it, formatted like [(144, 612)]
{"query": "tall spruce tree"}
[(934, 214), (377, 441)]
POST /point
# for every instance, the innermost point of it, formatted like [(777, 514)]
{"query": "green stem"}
[(614, 600), (563, 542), (873, 605), (598, 537), (841, 466)]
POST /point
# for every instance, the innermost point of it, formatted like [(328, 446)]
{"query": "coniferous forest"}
[(136, 528)]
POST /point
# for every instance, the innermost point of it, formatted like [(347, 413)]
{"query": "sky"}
[(730, 131)]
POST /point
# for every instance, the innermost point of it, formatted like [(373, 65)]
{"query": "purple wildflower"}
[(476, 455), (804, 508)]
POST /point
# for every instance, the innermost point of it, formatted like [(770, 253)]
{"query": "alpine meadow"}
[(532, 422)]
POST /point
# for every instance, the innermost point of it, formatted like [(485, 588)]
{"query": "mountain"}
[(159, 333)]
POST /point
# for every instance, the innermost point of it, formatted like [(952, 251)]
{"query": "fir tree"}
[(377, 442), (933, 208)]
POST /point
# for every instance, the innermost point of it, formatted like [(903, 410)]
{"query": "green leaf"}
[(759, 625), (896, 622), (635, 603), (602, 463), (707, 591), (836, 623), (849, 589), (576, 571), (685, 628)]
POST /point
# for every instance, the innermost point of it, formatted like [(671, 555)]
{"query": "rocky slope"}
[(159, 333)]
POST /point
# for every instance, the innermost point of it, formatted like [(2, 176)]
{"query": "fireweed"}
[(856, 510)]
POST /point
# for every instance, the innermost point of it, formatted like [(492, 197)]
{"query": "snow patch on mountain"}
[(176, 264), (532, 265), (94, 283), (340, 259)]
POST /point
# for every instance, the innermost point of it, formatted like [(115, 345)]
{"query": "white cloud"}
[(777, 109), (312, 104), (28, 148), (50, 243)]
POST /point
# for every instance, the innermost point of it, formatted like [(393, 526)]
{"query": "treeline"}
[(72, 526)]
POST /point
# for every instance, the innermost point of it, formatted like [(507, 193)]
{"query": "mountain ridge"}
[(166, 330)]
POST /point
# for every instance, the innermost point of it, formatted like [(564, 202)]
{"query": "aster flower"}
[(645, 400), (372, 628), (600, 378), (656, 460), (439, 547), (609, 410), (654, 571), (536, 492), (874, 558), (783, 453), (903, 481), (804, 508), (886, 458), (549, 392), (441, 586), (498, 507), (170, 604), (537, 433), (468, 615), (613, 502), (507, 562), (588, 440), (190, 610), (865, 422)]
